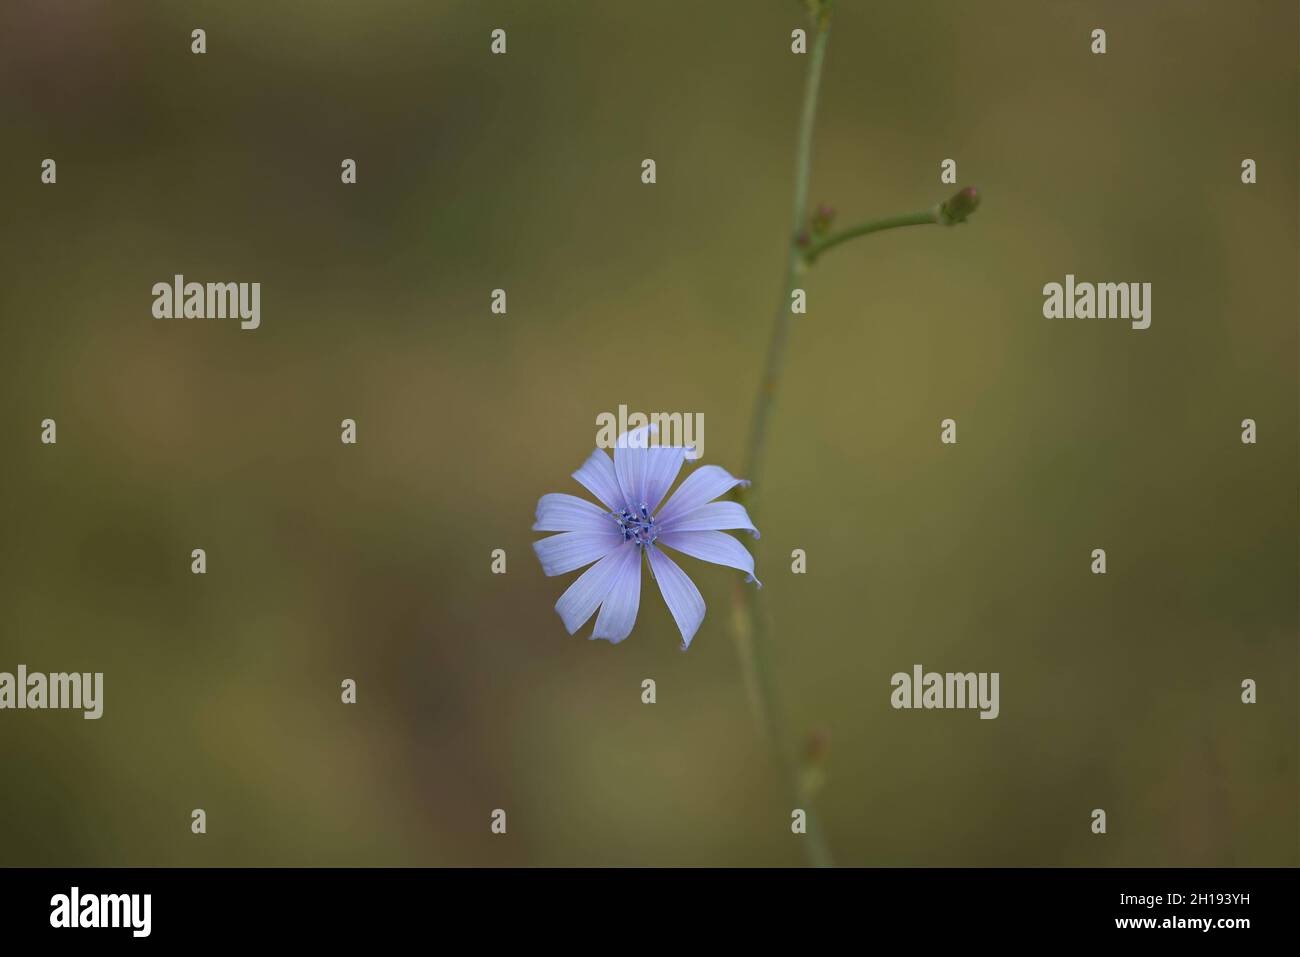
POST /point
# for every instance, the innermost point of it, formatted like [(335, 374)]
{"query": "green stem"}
[(921, 218), (751, 624), (776, 350)]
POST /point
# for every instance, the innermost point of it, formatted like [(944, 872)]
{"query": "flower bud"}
[(960, 206), (822, 218), (816, 745)]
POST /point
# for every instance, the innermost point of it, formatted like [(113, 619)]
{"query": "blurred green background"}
[(522, 172)]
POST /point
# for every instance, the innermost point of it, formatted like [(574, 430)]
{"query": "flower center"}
[(637, 526)]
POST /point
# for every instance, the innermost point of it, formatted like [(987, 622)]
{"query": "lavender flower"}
[(631, 525)]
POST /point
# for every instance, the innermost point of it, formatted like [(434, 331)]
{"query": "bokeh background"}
[(522, 171)]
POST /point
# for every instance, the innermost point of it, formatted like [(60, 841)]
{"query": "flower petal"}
[(569, 550), (597, 476), (700, 487), (558, 512), (680, 594), (717, 547), (618, 611), (711, 517), (631, 462), (645, 475), (581, 599), (661, 471)]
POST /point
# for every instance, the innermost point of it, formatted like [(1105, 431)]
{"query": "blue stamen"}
[(640, 529)]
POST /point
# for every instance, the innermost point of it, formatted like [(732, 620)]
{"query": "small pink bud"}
[(960, 206), (816, 746), (822, 218)]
